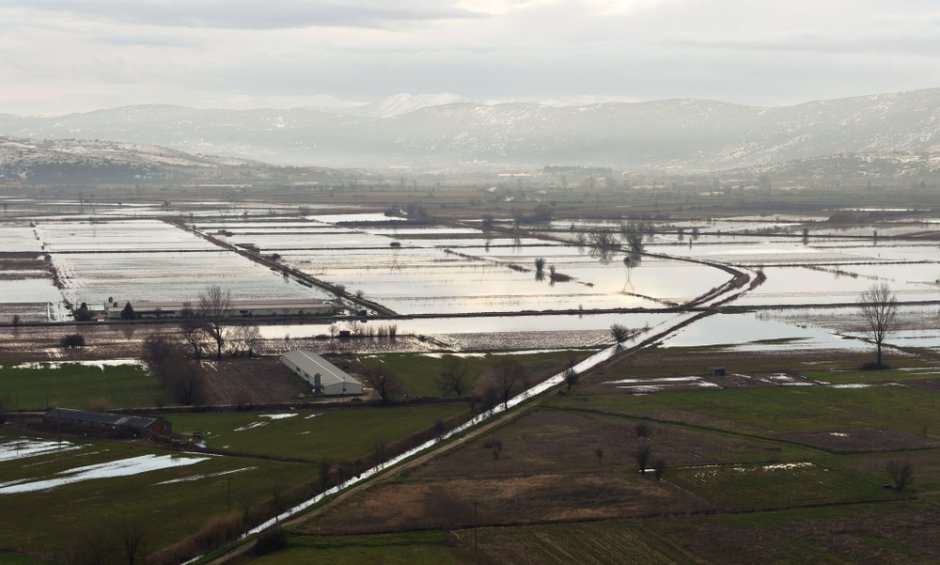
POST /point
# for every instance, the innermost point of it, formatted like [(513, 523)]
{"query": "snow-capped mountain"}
[(400, 104), (672, 135)]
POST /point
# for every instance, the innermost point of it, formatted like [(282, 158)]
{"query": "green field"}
[(338, 434), (774, 410), (419, 373), (71, 385), (50, 521)]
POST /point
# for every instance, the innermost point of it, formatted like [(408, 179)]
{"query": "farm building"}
[(237, 309), (323, 376), (104, 423)]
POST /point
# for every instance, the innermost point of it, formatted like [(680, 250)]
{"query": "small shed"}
[(325, 377)]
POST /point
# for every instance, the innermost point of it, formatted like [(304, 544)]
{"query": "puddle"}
[(655, 380), (278, 416), (119, 468), (22, 448), (210, 476), (250, 426), (101, 364)]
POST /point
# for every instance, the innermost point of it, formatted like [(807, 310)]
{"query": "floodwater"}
[(118, 235), (170, 277), (100, 363), (110, 469), (490, 324), (27, 447), (752, 332)]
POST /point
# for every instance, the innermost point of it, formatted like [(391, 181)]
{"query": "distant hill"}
[(670, 135), (72, 161)]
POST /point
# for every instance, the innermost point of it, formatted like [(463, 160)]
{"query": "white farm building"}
[(236, 309), (325, 377)]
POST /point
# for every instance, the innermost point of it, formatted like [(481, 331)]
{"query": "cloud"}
[(256, 14), (84, 54)]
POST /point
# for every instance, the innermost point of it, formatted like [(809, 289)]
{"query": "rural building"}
[(237, 309), (105, 423), (323, 376)]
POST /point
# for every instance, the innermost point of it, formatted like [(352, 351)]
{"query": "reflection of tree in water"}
[(581, 243), (394, 265), (630, 261), (540, 269), (603, 246)]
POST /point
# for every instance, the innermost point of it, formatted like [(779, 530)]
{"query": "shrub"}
[(901, 473), (72, 340), (219, 529), (269, 541)]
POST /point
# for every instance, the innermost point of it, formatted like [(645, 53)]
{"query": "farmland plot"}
[(170, 276), (26, 281)]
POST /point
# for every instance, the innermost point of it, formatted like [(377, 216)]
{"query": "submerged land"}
[(731, 421)]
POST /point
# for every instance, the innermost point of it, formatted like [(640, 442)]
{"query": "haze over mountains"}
[(449, 131)]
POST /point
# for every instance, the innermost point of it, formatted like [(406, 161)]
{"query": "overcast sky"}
[(59, 56)]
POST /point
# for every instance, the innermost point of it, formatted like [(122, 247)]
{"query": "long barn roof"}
[(311, 363)]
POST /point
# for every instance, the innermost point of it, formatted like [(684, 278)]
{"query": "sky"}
[(62, 56)]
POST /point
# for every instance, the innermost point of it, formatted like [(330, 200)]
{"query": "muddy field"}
[(251, 381)]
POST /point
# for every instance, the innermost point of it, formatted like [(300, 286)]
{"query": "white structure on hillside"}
[(323, 376)]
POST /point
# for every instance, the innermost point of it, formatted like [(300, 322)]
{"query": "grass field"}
[(774, 410), (338, 434), (71, 385), (420, 373), (49, 521)]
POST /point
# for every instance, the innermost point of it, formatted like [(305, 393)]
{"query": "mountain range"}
[(429, 131)]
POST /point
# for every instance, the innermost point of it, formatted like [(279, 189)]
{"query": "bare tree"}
[(179, 375), (659, 467), (132, 535), (603, 245), (571, 377), (642, 456), (540, 268), (385, 384), (509, 377), (633, 235), (246, 339), (193, 331), (453, 375), (901, 473), (879, 308), (214, 305), (570, 374), (620, 333)]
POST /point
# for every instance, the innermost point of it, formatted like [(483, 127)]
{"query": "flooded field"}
[(170, 276), (441, 269), (446, 270)]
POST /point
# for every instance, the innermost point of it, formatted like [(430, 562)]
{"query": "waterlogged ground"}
[(441, 269), (128, 252), (170, 276)]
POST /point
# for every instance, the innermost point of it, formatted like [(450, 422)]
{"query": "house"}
[(104, 423), (325, 377)]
